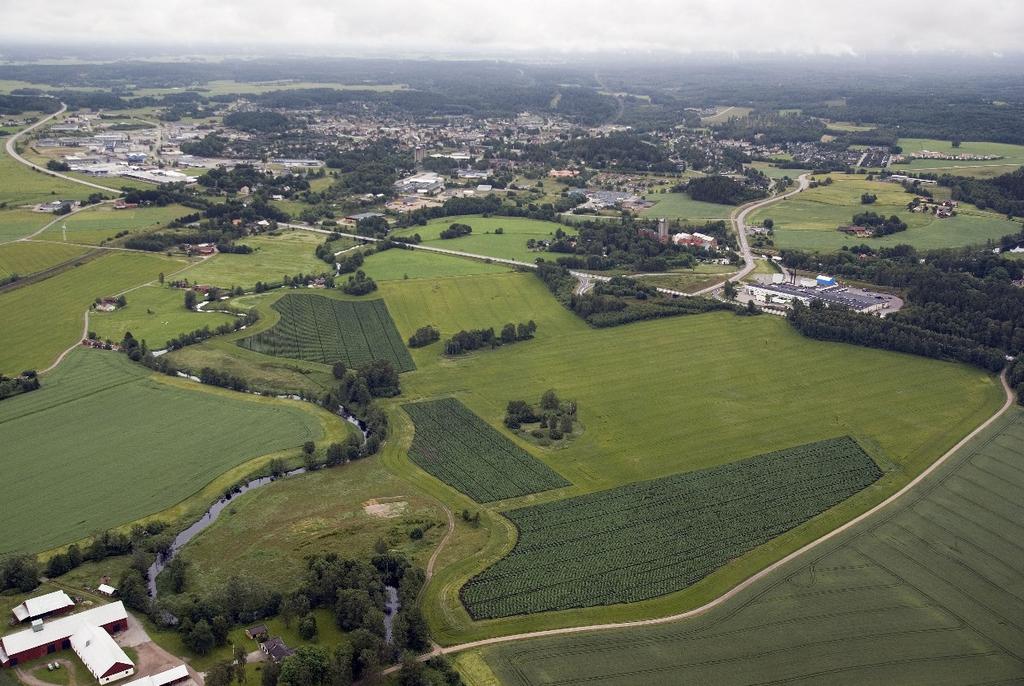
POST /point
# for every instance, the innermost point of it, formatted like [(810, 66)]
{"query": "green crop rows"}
[(462, 450), (314, 328), (655, 537)]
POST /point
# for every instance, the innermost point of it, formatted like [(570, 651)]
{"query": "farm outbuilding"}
[(174, 675), (87, 633), (41, 606)]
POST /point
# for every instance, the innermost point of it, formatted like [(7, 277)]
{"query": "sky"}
[(522, 27)]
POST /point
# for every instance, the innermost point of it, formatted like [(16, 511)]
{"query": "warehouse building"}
[(786, 293), (87, 633)]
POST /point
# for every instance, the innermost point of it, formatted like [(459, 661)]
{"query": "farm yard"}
[(130, 444), (43, 319), (808, 221), (650, 538), (316, 328), (925, 593), (510, 244), (454, 445)]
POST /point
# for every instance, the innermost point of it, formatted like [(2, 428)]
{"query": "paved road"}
[(13, 152)]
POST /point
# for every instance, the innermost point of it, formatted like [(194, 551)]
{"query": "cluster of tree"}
[(199, 335), (836, 323), (57, 166), (1015, 378), (618, 150), (359, 284), (356, 391), (880, 225), (369, 169), (16, 385), (257, 121), (374, 227), (1004, 193), (425, 335), (324, 251), (772, 127), (456, 230), (727, 190), (868, 198), (19, 573), (164, 195), (467, 341), (554, 415), (210, 145), (215, 377), (246, 175)]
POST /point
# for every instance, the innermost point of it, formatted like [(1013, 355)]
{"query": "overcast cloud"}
[(510, 27)]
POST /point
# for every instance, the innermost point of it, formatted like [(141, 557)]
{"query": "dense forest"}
[(1003, 193)]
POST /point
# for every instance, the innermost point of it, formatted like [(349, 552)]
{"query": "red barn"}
[(41, 606)]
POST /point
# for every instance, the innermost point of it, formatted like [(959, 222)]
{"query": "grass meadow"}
[(510, 244), (1012, 156), (109, 442), (27, 257), (681, 206), (273, 257), (926, 593), (397, 265), (43, 319), (102, 222), (25, 186), (153, 314), (808, 220), (16, 223)]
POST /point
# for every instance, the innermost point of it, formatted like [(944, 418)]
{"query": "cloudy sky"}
[(481, 28)]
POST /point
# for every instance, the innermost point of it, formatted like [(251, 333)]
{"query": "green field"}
[(724, 114), (665, 397), (681, 206), (331, 510), (316, 328), (24, 258), (808, 220), (23, 185), (43, 319), (273, 257), (690, 280), (655, 537), (17, 223), (154, 314), (397, 265), (129, 444), (510, 244), (459, 448), (1013, 156), (927, 592), (102, 222)]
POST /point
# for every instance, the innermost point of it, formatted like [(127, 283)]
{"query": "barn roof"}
[(64, 627), (170, 676), (98, 651), (42, 605)]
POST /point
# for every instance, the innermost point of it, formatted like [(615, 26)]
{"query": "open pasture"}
[(460, 449), (927, 592), (510, 244), (17, 223), (344, 510), (316, 328), (273, 257), (25, 257), (101, 223), (398, 265), (44, 318), (1012, 156), (808, 221), (109, 442), (655, 537), (25, 186), (681, 206), (153, 314)]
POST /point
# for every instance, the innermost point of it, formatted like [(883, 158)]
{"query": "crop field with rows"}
[(315, 328), (655, 537), (462, 450)]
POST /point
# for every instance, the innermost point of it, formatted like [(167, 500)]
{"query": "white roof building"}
[(171, 676), (40, 606), (101, 655)]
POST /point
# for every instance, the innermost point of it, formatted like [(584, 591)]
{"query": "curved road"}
[(12, 150)]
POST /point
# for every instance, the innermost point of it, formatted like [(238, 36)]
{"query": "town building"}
[(695, 240), (88, 633), (425, 183)]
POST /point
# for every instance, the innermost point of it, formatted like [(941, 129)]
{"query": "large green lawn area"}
[(102, 222), (397, 265), (808, 220), (273, 257), (27, 257), (44, 318), (153, 314), (663, 397), (927, 592), (16, 223), (682, 206), (1012, 157), (510, 244), (108, 442), (22, 185)]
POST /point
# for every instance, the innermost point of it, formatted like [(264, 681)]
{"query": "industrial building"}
[(824, 289), (425, 183), (87, 633)]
